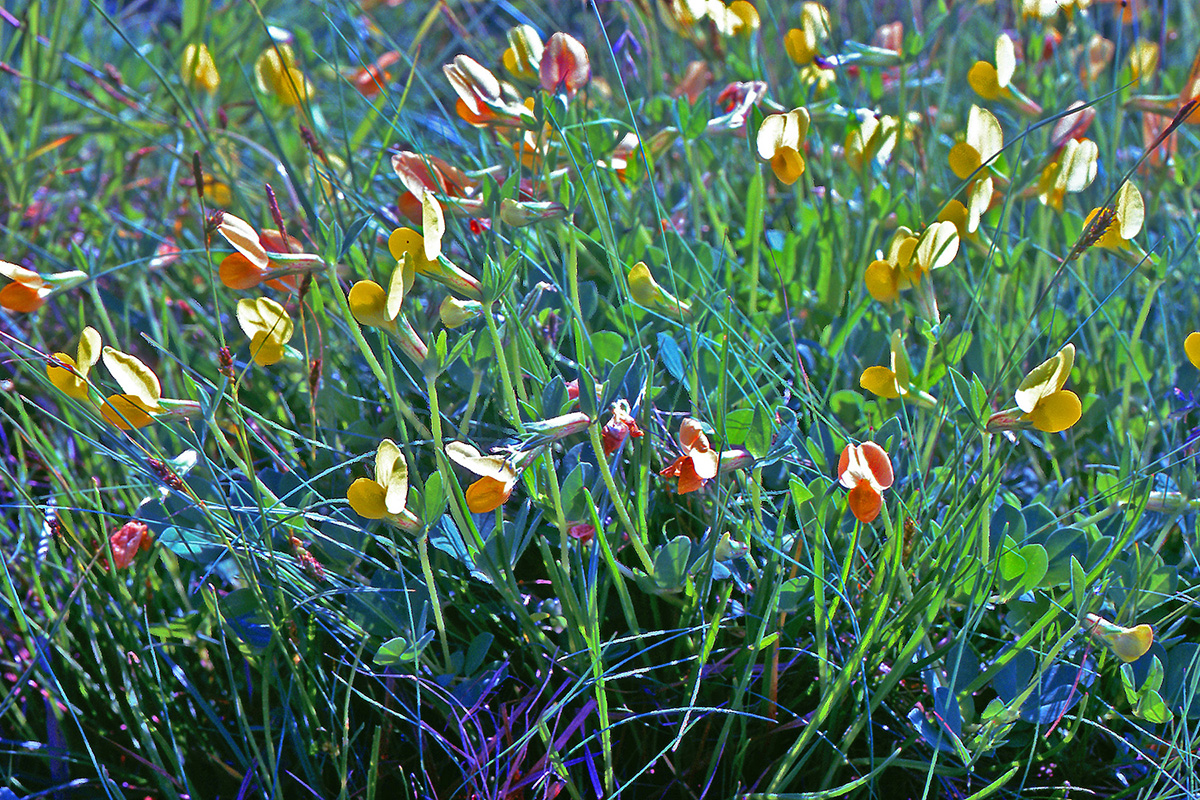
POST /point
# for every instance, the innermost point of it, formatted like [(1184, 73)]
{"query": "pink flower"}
[(126, 541)]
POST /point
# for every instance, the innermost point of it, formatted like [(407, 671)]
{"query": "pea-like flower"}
[(252, 263), (1128, 644), (71, 378), (564, 66), (141, 402), (498, 476), (1042, 402), (276, 73), (523, 58), (269, 327), (648, 294), (983, 142), (424, 250), (866, 470), (373, 79), (698, 464), (1191, 347), (376, 308), (482, 99), (198, 70), (385, 497), (1120, 223), (620, 426), (29, 290), (909, 259), (454, 312), (127, 540), (781, 143), (1072, 171), (420, 173), (994, 82), (803, 44), (895, 381), (872, 141)]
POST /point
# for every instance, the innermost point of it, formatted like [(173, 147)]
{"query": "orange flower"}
[(373, 79), (29, 290), (251, 264), (698, 464), (498, 477), (866, 471)]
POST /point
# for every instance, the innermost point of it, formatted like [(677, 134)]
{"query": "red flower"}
[(126, 541), (866, 471), (619, 428)]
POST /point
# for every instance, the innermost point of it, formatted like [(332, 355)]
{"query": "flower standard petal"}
[(134, 377), (878, 462), (1045, 379)]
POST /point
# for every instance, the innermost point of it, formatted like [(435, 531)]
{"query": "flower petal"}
[(865, 502), (1191, 346), (368, 304), (1057, 412), (879, 463), (133, 376), (367, 499), (126, 411), (880, 381), (487, 494)]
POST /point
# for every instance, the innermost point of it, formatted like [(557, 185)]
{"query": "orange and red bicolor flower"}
[(866, 471)]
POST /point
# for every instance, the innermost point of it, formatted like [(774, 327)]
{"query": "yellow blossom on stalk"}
[(803, 44), (1042, 402), (198, 70), (994, 82), (141, 402), (895, 381), (523, 57), (276, 73), (386, 496), (1073, 171), (269, 327), (648, 294), (1128, 644), (739, 18), (1143, 61), (909, 258), (984, 141), (425, 250), (71, 377), (28, 290), (873, 140), (376, 308), (781, 143), (1128, 214)]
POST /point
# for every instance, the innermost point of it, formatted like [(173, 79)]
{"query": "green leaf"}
[(670, 356), (800, 492), (670, 563), (1152, 708), (435, 499), (608, 346)]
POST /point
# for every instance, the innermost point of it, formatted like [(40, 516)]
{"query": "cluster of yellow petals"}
[(1042, 402), (198, 70), (276, 73), (781, 143), (803, 44), (1072, 171), (386, 496), (909, 258)]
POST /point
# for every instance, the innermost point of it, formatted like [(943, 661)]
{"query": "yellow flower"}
[(1073, 171), (276, 73), (1129, 644), (376, 308), (780, 142), (386, 496), (524, 53), (1143, 61), (198, 70), (895, 381), (646, 292), (803, 44), (873, 140), (454, 312), (1042, 402), (269, 327), (909, 258), (141, 402), (1128, 214), (425, 250), (984, 141), (994, 82), (71, 378)]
